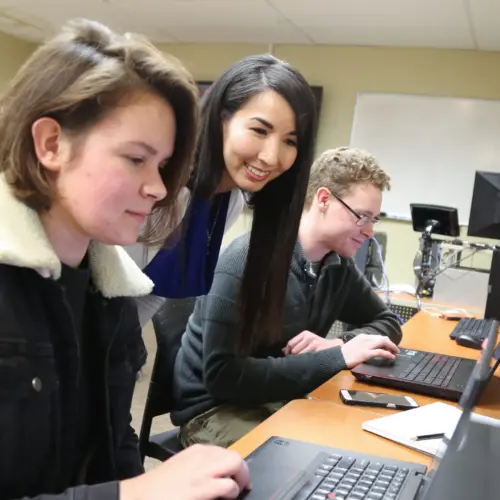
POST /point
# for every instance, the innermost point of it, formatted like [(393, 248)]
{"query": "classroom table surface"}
[(426, 333), (322, 418), (327, 424)]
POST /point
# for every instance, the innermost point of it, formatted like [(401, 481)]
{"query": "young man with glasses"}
[(224, 387)]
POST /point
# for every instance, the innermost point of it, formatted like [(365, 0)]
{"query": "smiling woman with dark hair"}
[(256, 136)]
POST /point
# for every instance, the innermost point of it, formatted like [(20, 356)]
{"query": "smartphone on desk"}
[(377, 400)]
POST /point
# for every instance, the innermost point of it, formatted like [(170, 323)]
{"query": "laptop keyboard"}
[(430, 368), (347, 478)]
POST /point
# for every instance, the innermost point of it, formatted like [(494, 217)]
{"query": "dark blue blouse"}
[(186, 268)]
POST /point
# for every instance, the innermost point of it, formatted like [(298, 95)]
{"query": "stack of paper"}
[(434, 418)]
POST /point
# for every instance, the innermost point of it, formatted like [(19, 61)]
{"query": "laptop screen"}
[(482, 373)]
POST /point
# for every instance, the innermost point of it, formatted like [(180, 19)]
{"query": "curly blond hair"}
[(341, 168)]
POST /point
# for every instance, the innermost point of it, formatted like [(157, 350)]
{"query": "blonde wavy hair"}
[(340, 169)]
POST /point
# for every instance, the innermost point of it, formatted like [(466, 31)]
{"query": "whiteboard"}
[(430, 146)]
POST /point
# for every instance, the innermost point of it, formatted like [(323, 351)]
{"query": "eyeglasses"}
[(362, 220)]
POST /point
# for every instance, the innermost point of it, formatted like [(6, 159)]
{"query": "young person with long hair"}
[(256, 136), (97, 130)]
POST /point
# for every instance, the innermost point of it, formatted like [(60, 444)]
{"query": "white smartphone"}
[(377, 399)]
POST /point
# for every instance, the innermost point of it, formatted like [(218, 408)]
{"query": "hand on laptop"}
[(363, 347), (198, 473), (307, 341)]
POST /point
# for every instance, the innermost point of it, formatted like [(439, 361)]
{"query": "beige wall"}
[(344, 71), (14, 53)]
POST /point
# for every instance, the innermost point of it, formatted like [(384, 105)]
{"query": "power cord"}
[(441, 270), (385, 281)]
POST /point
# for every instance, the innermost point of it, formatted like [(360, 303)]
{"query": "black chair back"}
[(169, 325)]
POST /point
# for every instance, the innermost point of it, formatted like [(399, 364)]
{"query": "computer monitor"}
[(484, 222), (431, 220), (484, 219), (435, 219)]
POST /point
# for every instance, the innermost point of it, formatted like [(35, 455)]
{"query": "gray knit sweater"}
[(207, 372)]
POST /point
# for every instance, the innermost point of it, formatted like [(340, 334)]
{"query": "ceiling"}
[(459, 24)]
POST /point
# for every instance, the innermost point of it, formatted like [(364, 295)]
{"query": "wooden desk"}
[(406, 299), (426, 333), (327, 421), (327, 424)]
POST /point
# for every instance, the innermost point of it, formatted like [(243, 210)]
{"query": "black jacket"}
[(39, 366)]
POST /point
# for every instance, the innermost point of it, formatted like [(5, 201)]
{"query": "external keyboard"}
[(475, 328)]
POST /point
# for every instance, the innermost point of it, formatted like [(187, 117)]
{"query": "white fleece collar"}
[(23, 243)]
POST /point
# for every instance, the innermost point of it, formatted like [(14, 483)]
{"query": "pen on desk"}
[(424, 437)]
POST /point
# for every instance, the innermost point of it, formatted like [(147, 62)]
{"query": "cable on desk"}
[(438, 272), (385, 280)]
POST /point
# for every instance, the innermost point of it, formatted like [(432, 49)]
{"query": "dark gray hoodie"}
[(208, 373)]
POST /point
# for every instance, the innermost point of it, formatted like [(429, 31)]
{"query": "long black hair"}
[(278, 205)]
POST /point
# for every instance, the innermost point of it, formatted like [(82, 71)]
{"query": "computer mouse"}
[(468, 341), (380, 361)]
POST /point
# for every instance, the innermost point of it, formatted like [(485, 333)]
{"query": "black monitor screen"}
[(446, 219), (484, 219)]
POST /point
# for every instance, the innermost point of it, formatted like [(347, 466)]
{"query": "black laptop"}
[(423, 372), (467, 466), (286, 469)]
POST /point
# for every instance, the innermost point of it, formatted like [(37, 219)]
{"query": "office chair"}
[(169, 324)]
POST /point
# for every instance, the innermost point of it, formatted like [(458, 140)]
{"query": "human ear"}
[(51, 148), (323, 198)]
